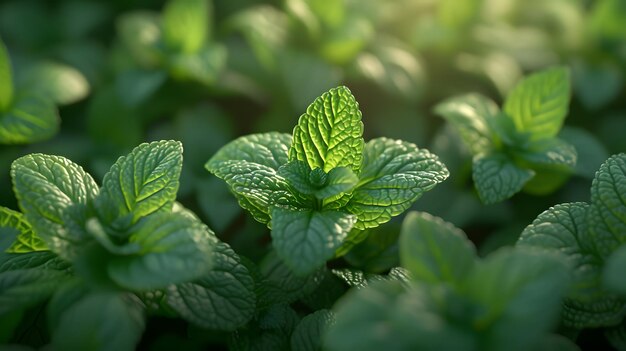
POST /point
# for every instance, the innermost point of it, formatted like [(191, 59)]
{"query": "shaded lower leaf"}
[(27, 240), (23, 288), (30, 119), (497, 178), (307, 336)]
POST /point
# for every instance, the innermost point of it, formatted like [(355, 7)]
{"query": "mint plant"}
[(106, 254), (517, 147), (319, 189), (591, 236), (452, 300)]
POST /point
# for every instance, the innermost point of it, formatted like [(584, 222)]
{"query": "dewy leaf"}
[(607, 217), (23, 288), (174, 249), (141, 183), (307, 336), (249, 165), (186, 24), (613, 273), (497, 178), (106, 321), (27, 240), (30, 119), (53, 192), (395, 174), (539, 103), (562, 230), (470, 115), (330, 133), (6, 79), (305, 240), (435, 251), (223, 299), (516, 290)]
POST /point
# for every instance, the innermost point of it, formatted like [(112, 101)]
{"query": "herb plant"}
[(516, 148), (104, 255), (319, 189)]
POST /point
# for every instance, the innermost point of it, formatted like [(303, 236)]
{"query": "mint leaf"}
[(555, 152), (101, 321), (27, 240), (44, 260), (394, 174), (53, 192), (186, 24), (471, 115), (23, 288), (6, 79), (61, 83), (496, 178), (141, 183), (307, 239), (607, 217), (516, 290), (223, 299), (330, 133), (30, 119), (562, 229), (605, 311), (203, 66), (316, 182), (539, 103), (249, 166), (307, 334), (435, 251), (340, 180), (174, 249), (613, 273)]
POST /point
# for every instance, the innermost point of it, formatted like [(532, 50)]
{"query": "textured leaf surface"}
[(307, 239), (470, 115), (496, 178), (174, 249), (317, 182), (607, 216), (36, 259), (249, 166), (307, 336), (603, 312), (26, 240), (395, 174), (141, 183), (101, 321), (551, 152), (223, 299), (6, 79), (31, 118), (562, 229), (186, 24), (23, 288), (539, 103), (52, 192), (330, 133), (516, 290), (435, 251)]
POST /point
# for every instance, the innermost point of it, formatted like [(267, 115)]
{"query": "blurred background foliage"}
[(205, 72)]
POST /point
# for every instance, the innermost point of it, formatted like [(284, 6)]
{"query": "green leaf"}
[(174, 249), (203, 66), (605, 311), (340, 180), (100, 321), (186, 24), (23, 288), (307, 239), (330, 133), (307, 334), (6, 79), (551, 152), (43, 260), (394, 175), (539, 103), (607, 217), (471, 115), (31, 118), (613, 273), (591, 152), (223, 299), (61, 83), (27, 240), (497, 178), (316, 182), (516, 290), (249, 165), (435, 251), (562, 229), (141, 183), (53, 193), (140, 33)]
